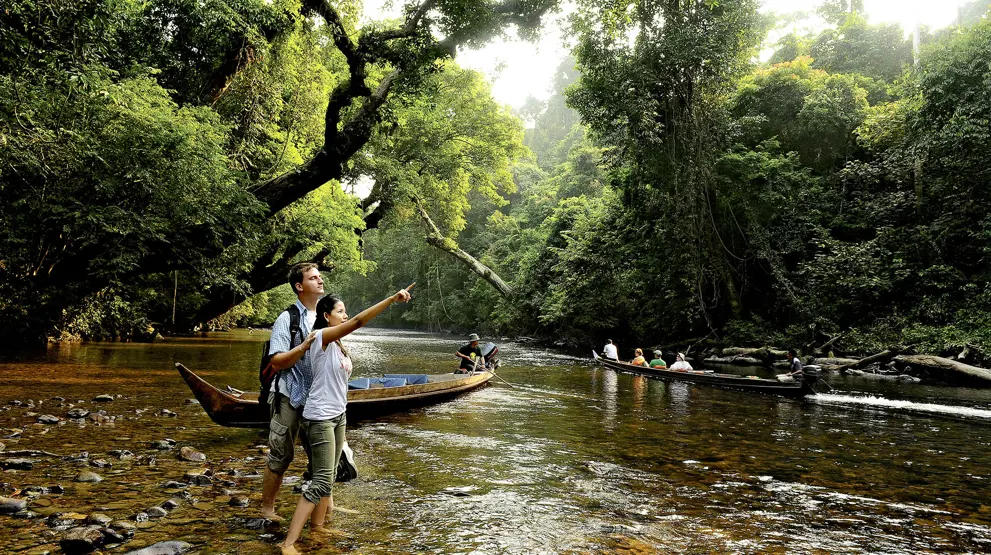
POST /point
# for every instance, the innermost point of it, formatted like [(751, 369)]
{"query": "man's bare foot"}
[(288, 550), (270, 515)]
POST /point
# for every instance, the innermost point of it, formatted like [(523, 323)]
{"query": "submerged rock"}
[(18, 464), (82, 539), (87, 476), (104, 398), (156, 512), (163, 548), (10, 506), (189, 454), (98, 519)]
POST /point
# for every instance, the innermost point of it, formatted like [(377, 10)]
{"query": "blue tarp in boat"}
[(387, 381), (411, 379)]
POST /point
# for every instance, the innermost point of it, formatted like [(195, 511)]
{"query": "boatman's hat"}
[(473, 337)]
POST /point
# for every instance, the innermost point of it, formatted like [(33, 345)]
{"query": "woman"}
[(638, 359), (323, 415)]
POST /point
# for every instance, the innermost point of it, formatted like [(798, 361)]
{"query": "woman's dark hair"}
[(324, 305)]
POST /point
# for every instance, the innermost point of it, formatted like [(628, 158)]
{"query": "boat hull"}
[(730, 381), (242, 410)]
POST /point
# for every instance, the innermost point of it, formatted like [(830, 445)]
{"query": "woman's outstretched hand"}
[(403, 296)]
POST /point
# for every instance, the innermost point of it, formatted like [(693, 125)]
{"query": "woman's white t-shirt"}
[(328, 396)]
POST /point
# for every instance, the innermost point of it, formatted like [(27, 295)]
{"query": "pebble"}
[(163, 548), (98, 519), (162, 445), (172, 484), (189, 454), (82, 539), (199, 479), (141, 517), (48, 419), (100, 463), (122, 454), (87, 476), (77, 413), (156, 512), (170, 505), (104, 398), (238, 501), (167, 412), (10, 506)]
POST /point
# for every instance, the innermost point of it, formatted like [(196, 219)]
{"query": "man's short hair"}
[(297, 271)]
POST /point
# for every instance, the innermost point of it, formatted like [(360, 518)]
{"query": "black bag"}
[(346, 471), (266, 373)]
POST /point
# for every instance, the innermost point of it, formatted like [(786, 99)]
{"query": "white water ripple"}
[(881, 402)]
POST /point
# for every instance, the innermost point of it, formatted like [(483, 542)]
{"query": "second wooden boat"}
[(242, 410), (708, 377)]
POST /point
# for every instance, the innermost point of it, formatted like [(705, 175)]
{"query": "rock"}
[(34, 490), (162, 445), (48, 419), (10, 506), (59, 399), (170, 505), (100, 463), (237, 501), (122, 454), (17, 402), (113, 536), (256, 523), (77, 413), (198, 478), (2, 446), (82, 539), (124, 527), (163, 548), (172, 484), (190, 454), (156, 512), (141, 517), (87, 476), (98, 519), (167, 412), (104, 398), (57, 488), (17, 464), (192, 402)]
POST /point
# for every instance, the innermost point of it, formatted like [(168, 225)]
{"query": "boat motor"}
[(489, 351)]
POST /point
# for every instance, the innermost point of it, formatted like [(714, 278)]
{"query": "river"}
[(570, 459)]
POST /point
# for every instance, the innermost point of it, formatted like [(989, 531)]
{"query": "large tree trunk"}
[(437, 239), (946, 369)]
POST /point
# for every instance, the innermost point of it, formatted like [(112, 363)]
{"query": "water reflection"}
[(573, 459)]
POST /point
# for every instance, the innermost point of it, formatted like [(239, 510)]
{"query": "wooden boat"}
[(241, 409), (708, 377)]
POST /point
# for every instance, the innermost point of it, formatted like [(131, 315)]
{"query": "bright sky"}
[(520, 69)]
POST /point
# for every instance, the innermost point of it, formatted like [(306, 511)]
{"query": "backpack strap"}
[(295, 331)]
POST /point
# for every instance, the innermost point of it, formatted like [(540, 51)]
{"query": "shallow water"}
[(572, 459)]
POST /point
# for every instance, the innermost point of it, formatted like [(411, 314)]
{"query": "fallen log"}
[(881, 357), (946, 369)]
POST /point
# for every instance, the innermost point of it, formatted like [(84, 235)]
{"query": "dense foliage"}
[(671, 189)]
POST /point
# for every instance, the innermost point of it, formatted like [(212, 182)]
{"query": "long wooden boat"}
[(708, 377), (242, 410)]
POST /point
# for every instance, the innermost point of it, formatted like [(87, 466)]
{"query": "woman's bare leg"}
[(320, 513), (303, 511)]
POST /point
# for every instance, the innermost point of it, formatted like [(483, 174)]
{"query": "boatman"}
[(290, 386), (797, 373), (467, 354)]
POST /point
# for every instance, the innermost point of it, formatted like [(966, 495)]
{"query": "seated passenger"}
[(658, 362), (638, 359), (681, 364)]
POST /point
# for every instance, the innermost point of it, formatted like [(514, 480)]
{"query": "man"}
[(658, 362), (291, 385), (797, 373), (465, 354), (610, 351)]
